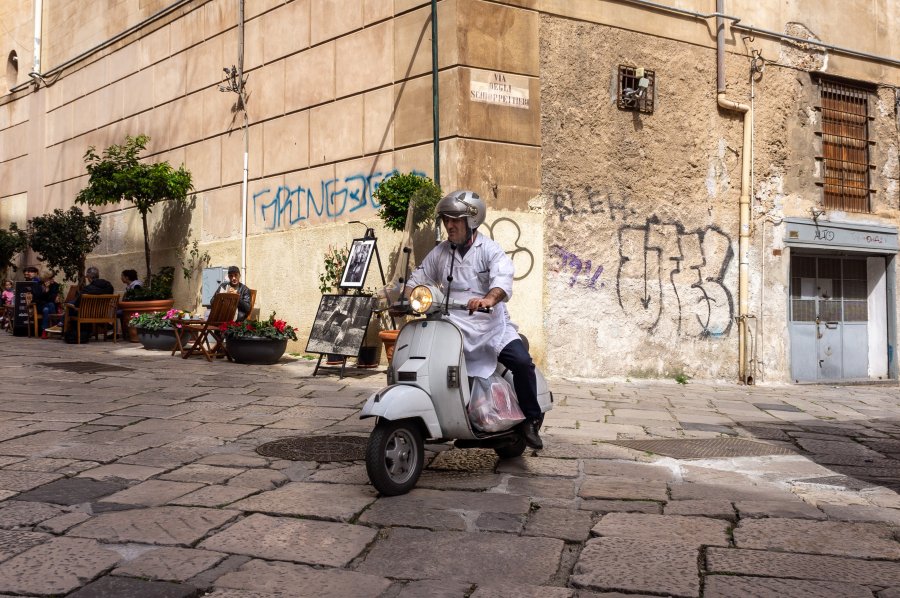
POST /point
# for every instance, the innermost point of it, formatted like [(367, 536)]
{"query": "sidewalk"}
[(125, 472)]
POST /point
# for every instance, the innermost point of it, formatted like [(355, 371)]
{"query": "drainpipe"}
[(744, 238), (38, 14)]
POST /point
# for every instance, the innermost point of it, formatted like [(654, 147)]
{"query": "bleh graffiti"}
[(288, 206), (573, 262), (666, 269)]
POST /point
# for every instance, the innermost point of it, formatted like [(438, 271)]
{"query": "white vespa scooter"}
[(426, 398)]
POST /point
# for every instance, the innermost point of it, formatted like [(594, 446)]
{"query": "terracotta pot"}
[(129, 308), (389, 338)]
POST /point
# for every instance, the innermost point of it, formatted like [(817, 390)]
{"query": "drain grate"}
[(84, 367), (316, 448), (706, 448)]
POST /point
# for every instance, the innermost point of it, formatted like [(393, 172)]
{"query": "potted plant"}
[(155, 330), (258, 342), (63, 239), (407, 202), (155, 297), (118, 174), (12, 242)]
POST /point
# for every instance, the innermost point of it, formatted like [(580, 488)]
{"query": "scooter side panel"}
[(438, 345), (401, 401)]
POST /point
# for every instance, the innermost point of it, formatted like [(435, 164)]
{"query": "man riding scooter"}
[(482, 278)]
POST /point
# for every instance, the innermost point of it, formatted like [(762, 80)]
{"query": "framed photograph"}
[(340, 324), (357, 266)]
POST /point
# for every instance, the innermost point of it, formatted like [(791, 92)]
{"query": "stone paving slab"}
[(718, 509), (520, 591), (621, 506), (866, 540), (277, 577), (204, 474), (339, 502), (170, 564), (151, 493), (435, 588), (447, 510), (791, 510), (802, 566), (117, 587), (628, 470), (695, 531), (541, 487), (180, 526), (296, 540), (23, 481), (615, 488), (638, 565), (721, 586), (72, 491), (526, 465), (14, 514), (13, 542), (213, 496), (56, 567), (486, 557), (565, 524), (121, 472)]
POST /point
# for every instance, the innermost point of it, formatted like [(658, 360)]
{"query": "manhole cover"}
[(707, 448), (84, 367), (316, 448)]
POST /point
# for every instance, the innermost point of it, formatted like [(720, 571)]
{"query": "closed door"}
[(829, 318)]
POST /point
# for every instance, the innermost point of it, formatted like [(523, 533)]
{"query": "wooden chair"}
[(194, 336), (54, 318), (93, 310), (252, 302)]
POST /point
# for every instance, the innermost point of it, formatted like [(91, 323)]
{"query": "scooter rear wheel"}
[(395, 456), (513, 450)]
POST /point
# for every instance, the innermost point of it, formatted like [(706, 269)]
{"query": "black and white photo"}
[(357, 266), (340, 324)]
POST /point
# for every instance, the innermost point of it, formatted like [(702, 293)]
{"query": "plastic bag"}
[(494, 407)]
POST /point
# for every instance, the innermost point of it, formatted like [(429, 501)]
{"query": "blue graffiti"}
[(291, 205)]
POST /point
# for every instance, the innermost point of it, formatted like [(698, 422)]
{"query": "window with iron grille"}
[(845, 145), (636, 89)]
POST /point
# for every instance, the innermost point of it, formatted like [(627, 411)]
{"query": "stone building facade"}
[(652, 236)]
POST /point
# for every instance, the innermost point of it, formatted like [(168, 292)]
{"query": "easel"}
[(369, 235)]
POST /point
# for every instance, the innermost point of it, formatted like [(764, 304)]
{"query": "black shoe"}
[(530, 431)]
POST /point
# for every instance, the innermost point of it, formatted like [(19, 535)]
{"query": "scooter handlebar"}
[(484, 310)]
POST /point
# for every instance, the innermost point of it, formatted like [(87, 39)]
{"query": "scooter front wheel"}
[(395, 456)]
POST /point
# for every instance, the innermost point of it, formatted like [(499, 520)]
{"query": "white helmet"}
[(461, 204)]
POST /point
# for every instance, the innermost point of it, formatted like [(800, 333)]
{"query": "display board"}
[(22, 315), (340, 324)]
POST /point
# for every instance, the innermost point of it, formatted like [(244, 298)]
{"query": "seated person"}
[(131, 281), (8, 297), (234, 285), (46, 297), (94, 285)]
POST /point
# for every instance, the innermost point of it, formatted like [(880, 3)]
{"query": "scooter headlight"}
[(421, 299)]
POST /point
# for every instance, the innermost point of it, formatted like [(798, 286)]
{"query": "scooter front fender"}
[(403, 401)]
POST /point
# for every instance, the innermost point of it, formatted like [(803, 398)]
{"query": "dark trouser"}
[(46, 310), (516, 359)]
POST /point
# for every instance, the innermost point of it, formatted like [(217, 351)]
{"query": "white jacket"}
[(485, 266)]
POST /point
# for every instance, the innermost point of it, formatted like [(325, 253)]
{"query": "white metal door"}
[(829, 317)]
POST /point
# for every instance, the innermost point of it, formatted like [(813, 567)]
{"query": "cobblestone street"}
[(125, 472)]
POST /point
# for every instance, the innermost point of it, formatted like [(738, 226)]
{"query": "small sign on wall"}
[(22, 320), (502, 89)]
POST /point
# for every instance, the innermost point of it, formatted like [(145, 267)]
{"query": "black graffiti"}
[(517, 254), (589, 201), (659, 261)]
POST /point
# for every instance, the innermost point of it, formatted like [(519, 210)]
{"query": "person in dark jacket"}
[(234, 285), (46, 297), (94, 285)]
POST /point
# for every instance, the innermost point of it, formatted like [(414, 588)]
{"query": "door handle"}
[(831, 325), (821, 362)]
